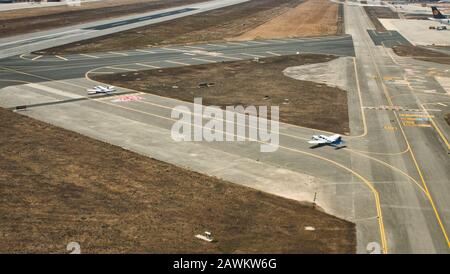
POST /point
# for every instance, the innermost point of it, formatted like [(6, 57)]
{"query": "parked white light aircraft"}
[(320, 140), (439, 17), (101, 89)]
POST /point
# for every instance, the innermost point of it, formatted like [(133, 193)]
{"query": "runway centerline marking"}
[(62, 58), (194, 47), (253, 55), (257, 42), (145, 51), (230, 57), (273, 53), (90, 56), (216, 45)]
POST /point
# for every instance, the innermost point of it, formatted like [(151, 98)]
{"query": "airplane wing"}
[(317, 142)]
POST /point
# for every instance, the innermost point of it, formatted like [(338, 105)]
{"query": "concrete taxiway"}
[(415, 211), (391, 179)]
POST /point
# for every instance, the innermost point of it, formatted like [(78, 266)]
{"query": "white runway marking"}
[(273, 53), (215, 45), (192, 47), (88, 55), (145, 51), (253, 55), (231, 57), (256, 42), (177, 63), (148, 66), (175, 49), (62, 58)]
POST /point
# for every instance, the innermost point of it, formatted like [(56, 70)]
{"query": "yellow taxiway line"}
[(416, 165)]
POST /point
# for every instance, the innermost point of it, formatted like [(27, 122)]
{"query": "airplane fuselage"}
[(101, 89), (332, 140), (442, 21), (321, 138), (439, 17)]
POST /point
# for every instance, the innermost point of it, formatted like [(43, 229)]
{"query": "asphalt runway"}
[(140, 19), (391, 179), (74, 66), (15, 45)]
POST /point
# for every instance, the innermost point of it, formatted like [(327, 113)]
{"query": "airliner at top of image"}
[(439, 17)]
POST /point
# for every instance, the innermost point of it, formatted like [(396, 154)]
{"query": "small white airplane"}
[(101, 89), (439, 17), (321, 140)]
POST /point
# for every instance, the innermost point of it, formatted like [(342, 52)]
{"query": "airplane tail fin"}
[(437, 14)]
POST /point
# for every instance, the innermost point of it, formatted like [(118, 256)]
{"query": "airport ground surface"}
[(391, 180)]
